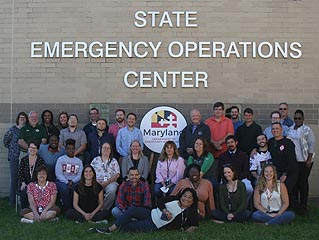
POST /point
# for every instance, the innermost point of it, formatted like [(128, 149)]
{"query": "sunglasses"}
[(282, 108), (297, 118)]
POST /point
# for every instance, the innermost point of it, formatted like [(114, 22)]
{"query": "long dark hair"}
[(163, 155), (42, 116), (81, 184), (194, 194)]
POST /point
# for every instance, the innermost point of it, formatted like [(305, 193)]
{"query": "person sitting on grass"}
[(232, 199), (133, 192), (173, 212), (203, 188), (271, 199), (42, 197), (68, 170), (88, 199)]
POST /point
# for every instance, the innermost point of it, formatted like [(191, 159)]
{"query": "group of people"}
[(219, 165)]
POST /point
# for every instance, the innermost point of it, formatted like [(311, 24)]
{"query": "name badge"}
[(105, 179)]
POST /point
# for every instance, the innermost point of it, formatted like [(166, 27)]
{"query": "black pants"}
[(290, 183), (301, 189), (76, 216)]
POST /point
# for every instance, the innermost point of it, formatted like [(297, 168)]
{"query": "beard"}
[(120, 120)]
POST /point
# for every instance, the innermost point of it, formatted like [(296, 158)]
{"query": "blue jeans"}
[(239, 217), (142, 223), (284, 218), (66, 194), (117, 212)]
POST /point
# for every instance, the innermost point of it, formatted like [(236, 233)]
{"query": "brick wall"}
[(71, 84)]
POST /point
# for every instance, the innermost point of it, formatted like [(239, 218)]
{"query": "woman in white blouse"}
[(271, 199), (107, 172)]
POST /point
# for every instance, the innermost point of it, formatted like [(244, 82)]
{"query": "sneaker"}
[(54, 219), (102, 221), (218, 221), (93, 230), (104, 230), (25, 220)]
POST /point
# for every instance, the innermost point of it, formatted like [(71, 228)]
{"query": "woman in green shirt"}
[(206, 161), (232, 199)]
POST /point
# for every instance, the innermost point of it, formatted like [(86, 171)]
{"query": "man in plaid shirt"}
[(133, 192)]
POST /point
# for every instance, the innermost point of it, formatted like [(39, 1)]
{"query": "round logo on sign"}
[(162, 124)]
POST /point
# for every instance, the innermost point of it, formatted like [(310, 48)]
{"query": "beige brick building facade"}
[(73, 83)]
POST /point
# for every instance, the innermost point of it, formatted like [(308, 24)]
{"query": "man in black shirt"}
[(283, 156)]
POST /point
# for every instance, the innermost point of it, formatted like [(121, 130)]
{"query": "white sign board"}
[(162, 124)]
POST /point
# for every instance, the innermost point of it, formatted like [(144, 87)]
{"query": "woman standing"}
[(10, 141), (135, 159), (28, 165), (47, 123), (173, 212), (42, 197), (107, 172), (87, 199), (304, 140), (169, 170), (63, 120), (232, 199), (203, 188), (271, 199)]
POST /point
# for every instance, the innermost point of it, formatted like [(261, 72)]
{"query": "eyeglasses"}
[(282, 108), (297, 118)]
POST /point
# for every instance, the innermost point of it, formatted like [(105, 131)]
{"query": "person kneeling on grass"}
[(41, 197), (173, 212), (88, 199), (271, 199)]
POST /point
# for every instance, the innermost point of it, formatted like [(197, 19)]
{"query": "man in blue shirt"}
[(127, 135)]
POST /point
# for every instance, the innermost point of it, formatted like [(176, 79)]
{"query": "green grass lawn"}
[(11, 228)]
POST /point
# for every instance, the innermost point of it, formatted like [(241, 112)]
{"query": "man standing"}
[(127, 134), (285, 119), (247, 133), (72, 132), (94, 115), (260, 158), (275, 117), (192, 131), (90, 127), (133, 192), (120, 122), (50, 154), (97, 138), (32, 132), (282, 151), (239, 160), (220, 127), (234, 114), (68, 171)]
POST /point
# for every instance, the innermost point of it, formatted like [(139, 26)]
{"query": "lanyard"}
[(169, 162)]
